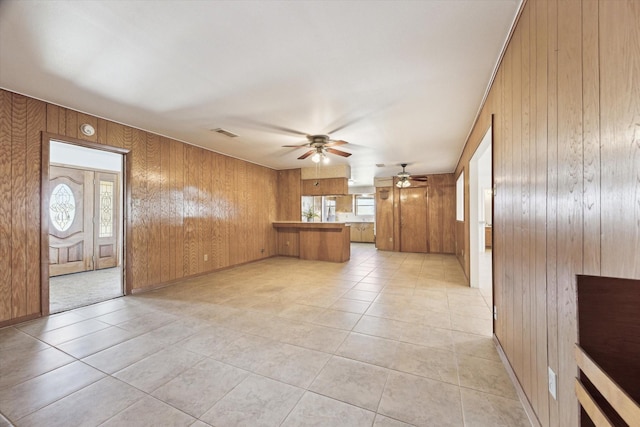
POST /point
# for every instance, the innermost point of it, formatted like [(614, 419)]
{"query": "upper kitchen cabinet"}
[(325, 187), (344, 204)]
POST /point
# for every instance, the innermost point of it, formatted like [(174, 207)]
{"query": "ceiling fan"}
[(319, 146), (405, 178)]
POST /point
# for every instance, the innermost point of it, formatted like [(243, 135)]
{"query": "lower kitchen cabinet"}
[(362, 232)]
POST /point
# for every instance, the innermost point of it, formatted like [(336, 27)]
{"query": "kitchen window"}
[(365, 206)]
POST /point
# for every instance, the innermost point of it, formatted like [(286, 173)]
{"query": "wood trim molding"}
[(621, 402), (17, 320), (44, 226), (44, 206), (528, 409), (596, 414)]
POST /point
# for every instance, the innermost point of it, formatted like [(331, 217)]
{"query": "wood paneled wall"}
[(441, 215), (289, 195), (186, 202), (566, 107)]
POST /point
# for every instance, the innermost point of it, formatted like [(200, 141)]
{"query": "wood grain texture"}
[(167, 254), (620, 137), (71, 123), (413, 215), (384, 218), (591, 137), (183, 203), (569, 195), (18, 207), (36, 121), (527, 375), (153, 211), (289, 195), (177, 218), (552, 203), (6, 105), (567, 168), (135, 140), (288, 242), (539, 199), (325, 187)]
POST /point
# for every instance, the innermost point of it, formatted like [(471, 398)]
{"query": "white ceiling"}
[(402, 81)]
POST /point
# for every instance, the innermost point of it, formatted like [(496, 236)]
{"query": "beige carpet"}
[(80, 289)]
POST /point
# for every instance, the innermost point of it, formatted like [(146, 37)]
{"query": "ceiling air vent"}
[(380, 165), (225, 132)]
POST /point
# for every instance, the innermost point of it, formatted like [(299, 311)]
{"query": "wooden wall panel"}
[(552, 203), (384, 218), (591, 137), (36, 120), (566, 165), (153, 211), (289, 195), (570, 207), (539, 211), (620, 133), (177, 218), (190, 253), (18, 207), (185, 203), (6, 105), (167, 273)]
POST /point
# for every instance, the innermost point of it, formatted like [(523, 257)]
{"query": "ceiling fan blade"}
[(297, 146), (334, 143), (307, 154), (338, 152)]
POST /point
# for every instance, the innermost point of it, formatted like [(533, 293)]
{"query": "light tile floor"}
[(386, 339)]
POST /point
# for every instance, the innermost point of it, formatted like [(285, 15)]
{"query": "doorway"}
[(481, 218), (85, 233)]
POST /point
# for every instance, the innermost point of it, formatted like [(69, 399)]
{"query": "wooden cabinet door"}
[(367, 233), (413, 219), (344, 204), (355, 233), (70, 220)]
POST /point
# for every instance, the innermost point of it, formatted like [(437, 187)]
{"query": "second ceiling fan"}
[(319, 146), (405, 178)]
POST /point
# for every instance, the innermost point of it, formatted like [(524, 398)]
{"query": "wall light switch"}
[(553, 386)]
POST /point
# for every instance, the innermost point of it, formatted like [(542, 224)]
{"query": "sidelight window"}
[(106, 209)]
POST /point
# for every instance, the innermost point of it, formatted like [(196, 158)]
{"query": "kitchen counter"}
[(320, 241)]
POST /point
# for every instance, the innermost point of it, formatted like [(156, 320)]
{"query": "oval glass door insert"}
[(62, 207)]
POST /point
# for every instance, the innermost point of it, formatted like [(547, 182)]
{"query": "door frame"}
[(44, 209), (474, 203)]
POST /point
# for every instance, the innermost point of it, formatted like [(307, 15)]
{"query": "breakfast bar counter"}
[(320, 241)]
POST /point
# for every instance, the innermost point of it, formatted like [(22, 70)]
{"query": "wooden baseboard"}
[(20, 319), (528, 409), (156, 286)]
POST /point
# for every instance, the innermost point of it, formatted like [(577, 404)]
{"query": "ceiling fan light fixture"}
[(403, 183), (325, 159), (316, 157)]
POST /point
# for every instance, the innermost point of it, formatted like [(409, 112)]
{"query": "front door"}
[(413, 219), (83, 231)]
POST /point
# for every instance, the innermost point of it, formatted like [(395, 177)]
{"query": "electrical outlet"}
[(206, 257), (553, 386), (495, 313)]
